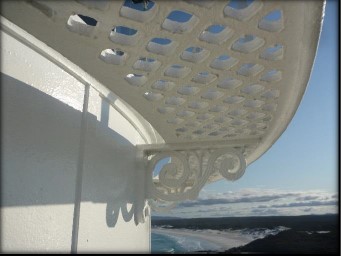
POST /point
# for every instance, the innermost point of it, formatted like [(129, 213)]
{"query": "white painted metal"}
[(188, 171), (58, 154), (203, 74)]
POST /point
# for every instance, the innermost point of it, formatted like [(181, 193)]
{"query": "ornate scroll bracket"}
[(177, 175)]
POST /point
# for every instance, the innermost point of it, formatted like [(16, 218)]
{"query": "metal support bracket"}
[(175, 175)]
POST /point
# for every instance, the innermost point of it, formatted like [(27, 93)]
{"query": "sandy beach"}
[(223, 239)]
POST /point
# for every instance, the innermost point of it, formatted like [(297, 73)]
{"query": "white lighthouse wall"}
[(44, 154), (111, 175)]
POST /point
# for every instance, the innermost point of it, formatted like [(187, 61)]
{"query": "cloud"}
[(300, 204), (258, 202), (265, 211), (292, 211), (306, 198), (202, 202), (243, 196)]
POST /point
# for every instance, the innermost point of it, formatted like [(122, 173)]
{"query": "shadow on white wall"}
[(40, 147)]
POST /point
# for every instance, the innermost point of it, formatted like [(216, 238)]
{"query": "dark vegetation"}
[(291, 241), (300, 223)]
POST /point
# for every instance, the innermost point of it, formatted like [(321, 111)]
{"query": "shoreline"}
[(223, 239)]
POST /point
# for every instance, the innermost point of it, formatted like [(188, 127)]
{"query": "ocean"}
[(164, 240), (162, 243)]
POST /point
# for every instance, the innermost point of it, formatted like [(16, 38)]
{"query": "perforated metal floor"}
[(198, 71)]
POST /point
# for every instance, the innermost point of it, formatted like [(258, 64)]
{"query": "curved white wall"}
[(62, 166)]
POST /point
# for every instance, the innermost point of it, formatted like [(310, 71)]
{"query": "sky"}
[(298, 175)]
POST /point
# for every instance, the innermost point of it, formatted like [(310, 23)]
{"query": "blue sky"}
[(299, 173)]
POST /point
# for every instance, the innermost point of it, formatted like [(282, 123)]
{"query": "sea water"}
[(162, 243), (169, 243)]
